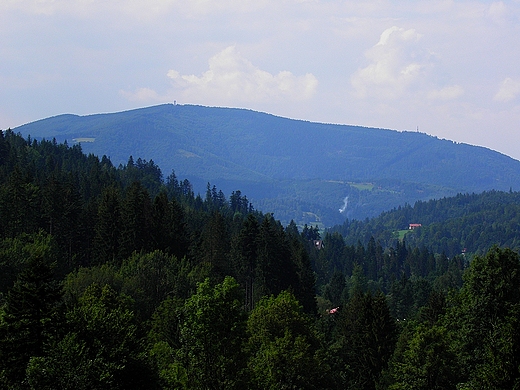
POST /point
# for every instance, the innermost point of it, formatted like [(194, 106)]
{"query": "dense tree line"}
[(114, 277), (469, 223)]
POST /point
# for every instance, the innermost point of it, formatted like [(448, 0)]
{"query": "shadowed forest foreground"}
[(113, 278)]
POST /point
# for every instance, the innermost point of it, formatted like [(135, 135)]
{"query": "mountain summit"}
[(299, 170)]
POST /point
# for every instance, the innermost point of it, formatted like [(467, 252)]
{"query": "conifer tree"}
[(332, 258), (244, 252), (108, 228), (169, 231), (136, 220), (30, 315), (61, 211), (19, 206), (4, 155), (368, 335), (162, 225), (304, 286), (274, 269), (172, 186), (215, 247), (335, 290)]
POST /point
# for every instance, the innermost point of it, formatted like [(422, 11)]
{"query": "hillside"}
[(298, 170), (469, 223)]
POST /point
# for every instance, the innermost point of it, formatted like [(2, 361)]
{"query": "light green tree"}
[(284, 349), (212, 337), (428, 362), (484, 320)]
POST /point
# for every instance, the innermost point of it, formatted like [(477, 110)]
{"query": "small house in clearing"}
[(413, 226)]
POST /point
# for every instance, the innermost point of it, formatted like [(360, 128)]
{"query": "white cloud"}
[(446, 93), (146, 95), (395, 62), (95, 54), (392, 35), (509, 89), (232, 78), (497, 11)]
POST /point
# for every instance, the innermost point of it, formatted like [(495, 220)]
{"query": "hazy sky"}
[(450, 68)]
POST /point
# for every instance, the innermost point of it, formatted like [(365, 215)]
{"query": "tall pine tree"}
[(31, 313)]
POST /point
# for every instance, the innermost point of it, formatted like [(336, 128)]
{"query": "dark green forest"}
[(115, 277)]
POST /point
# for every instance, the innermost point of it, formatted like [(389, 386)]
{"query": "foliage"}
[(367, 335), (212, 336), (284, 348), (428, 362), (102, 349), (31, 314), (113, 278), (486, 333), (466, 223)]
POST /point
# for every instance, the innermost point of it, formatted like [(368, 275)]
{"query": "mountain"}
[(299, 170)]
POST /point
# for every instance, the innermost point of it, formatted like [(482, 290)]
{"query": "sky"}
[(443, 67)]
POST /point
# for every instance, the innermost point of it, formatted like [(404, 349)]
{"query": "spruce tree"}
[(304, 286), (108, 227), (136, 219), (244, 251), (275, 271), (215, 247), (30, 315), (368, 335)]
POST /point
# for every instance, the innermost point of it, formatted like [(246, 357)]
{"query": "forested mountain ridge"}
[(118, 278), (298, 170), (469, 223)]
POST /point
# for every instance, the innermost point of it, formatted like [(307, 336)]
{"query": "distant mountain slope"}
[(295, 168), (469, 223)]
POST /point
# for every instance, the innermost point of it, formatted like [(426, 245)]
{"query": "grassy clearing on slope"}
[(362, 186)]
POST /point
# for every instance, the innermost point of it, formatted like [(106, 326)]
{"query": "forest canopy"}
[(116, 277)]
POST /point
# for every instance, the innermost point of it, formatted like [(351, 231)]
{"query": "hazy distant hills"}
[(298, 170)]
